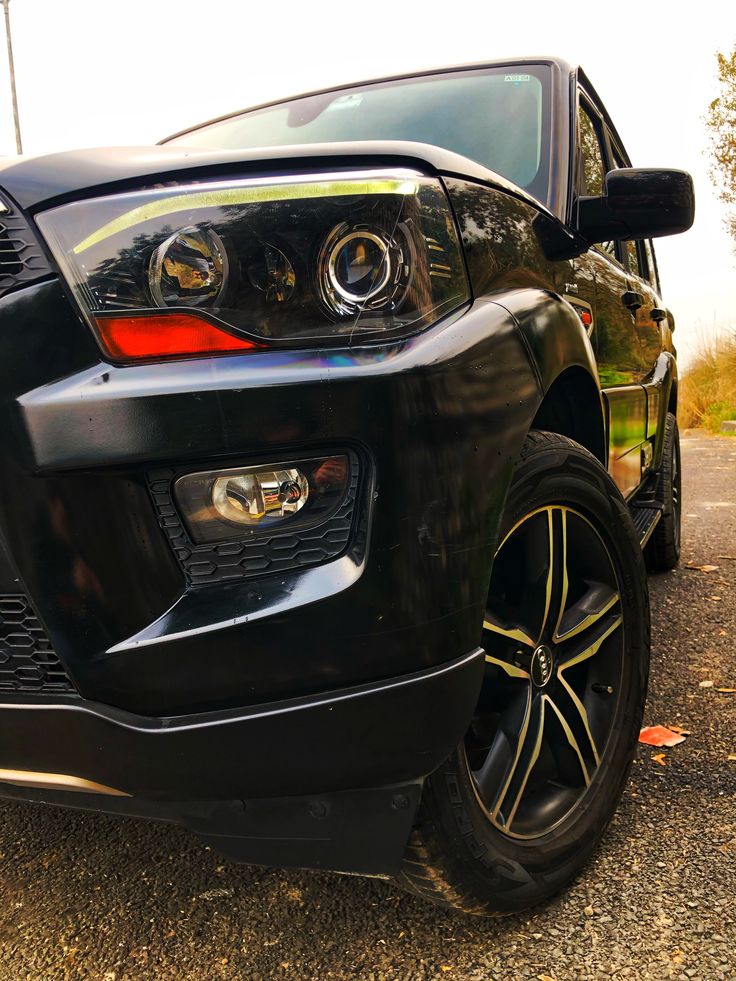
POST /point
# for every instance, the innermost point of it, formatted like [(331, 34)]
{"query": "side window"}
[(651, 264), (591, 162), (633, 254), (593, 168)]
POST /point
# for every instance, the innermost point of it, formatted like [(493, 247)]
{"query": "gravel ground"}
[(87, 896)]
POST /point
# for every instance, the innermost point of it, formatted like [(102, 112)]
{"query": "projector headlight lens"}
[(364, 269)]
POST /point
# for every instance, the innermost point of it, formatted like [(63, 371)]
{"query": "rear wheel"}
[(662, 551), (518, 808)]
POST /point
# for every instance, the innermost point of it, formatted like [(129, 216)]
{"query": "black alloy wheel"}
[(554, 650), (517, 810)]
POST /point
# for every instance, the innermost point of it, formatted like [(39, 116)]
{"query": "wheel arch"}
[(572, 407)]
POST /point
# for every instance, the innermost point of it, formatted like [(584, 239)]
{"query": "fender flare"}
[(663, 379), (559, 350)]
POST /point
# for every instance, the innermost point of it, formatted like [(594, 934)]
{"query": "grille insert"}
[(10, 261), (21, 257), (28, 662)]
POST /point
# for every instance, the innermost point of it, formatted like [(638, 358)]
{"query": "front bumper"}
[(274, 785), (380, 733)]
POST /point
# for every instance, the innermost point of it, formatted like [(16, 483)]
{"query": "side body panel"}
[(601, 280), (510, 247), (632, 344)]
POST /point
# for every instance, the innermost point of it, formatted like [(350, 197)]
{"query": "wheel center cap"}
[(541, 669)]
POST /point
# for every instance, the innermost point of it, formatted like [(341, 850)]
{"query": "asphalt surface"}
[(88, 896)]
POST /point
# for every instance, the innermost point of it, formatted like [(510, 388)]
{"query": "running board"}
[(645, 520)]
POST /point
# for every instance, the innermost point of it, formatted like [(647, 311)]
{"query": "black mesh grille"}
[(21, 258), (28, 663), (238, 559)]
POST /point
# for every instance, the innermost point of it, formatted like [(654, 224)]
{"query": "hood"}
[(36, 182)]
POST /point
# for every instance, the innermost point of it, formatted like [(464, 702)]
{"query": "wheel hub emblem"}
[(541, 670)]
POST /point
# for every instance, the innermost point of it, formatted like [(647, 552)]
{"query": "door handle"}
[(658, 315), (632, 300)]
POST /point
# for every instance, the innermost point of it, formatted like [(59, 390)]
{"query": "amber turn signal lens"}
[(146, 337)]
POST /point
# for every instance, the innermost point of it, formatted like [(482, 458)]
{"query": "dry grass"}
[(707, 393)]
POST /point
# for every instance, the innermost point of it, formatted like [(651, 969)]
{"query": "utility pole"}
[(16, 120)]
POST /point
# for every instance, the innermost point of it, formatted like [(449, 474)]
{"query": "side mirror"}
[(638, 203)]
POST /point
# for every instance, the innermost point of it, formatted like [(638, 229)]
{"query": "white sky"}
[(116, 72)]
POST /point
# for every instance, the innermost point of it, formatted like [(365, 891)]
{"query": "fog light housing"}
[(242, 502)]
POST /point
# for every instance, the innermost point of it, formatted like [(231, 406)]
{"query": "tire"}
[(662, 551), (459, 855)]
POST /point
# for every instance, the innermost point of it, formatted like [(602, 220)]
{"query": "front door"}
[(601, 280)]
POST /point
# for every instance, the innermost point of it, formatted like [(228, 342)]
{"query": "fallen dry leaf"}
[(727, 691), (544, 977), (680, 731), (445, 968), (731, 756), (660, 736), (715, 599), (659, 758), (702, 568), (705, 684)]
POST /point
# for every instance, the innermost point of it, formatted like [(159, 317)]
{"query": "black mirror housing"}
[(638, 203)]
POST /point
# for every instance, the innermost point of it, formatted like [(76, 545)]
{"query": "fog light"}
[(237, 503), (246, 499)]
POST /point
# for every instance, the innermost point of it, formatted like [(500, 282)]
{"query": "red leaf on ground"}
[(660, 736)]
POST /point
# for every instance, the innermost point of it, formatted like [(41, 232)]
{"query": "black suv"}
[(336, 434)]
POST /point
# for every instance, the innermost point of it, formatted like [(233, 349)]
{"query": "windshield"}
[(498, 117)]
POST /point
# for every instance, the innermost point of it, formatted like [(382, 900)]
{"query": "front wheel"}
[(516, 811)]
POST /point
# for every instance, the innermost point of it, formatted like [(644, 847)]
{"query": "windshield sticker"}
[(345, 102), (517, 78)]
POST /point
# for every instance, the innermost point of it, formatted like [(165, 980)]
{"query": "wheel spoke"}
[(596, 632), (512, 670), (511, 633), (571, 738), (557, 578), (594, 604), (525, 755), (569, 705)]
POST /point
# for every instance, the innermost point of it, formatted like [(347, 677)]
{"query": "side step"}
[(645, 520)]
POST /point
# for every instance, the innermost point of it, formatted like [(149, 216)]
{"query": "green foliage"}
[(721, 121), (708, 388), (716, 413)]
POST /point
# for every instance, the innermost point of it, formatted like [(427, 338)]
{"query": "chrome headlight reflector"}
[(188, 269), (339, 258)]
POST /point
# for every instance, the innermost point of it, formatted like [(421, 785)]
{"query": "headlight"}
[(257, 263)]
